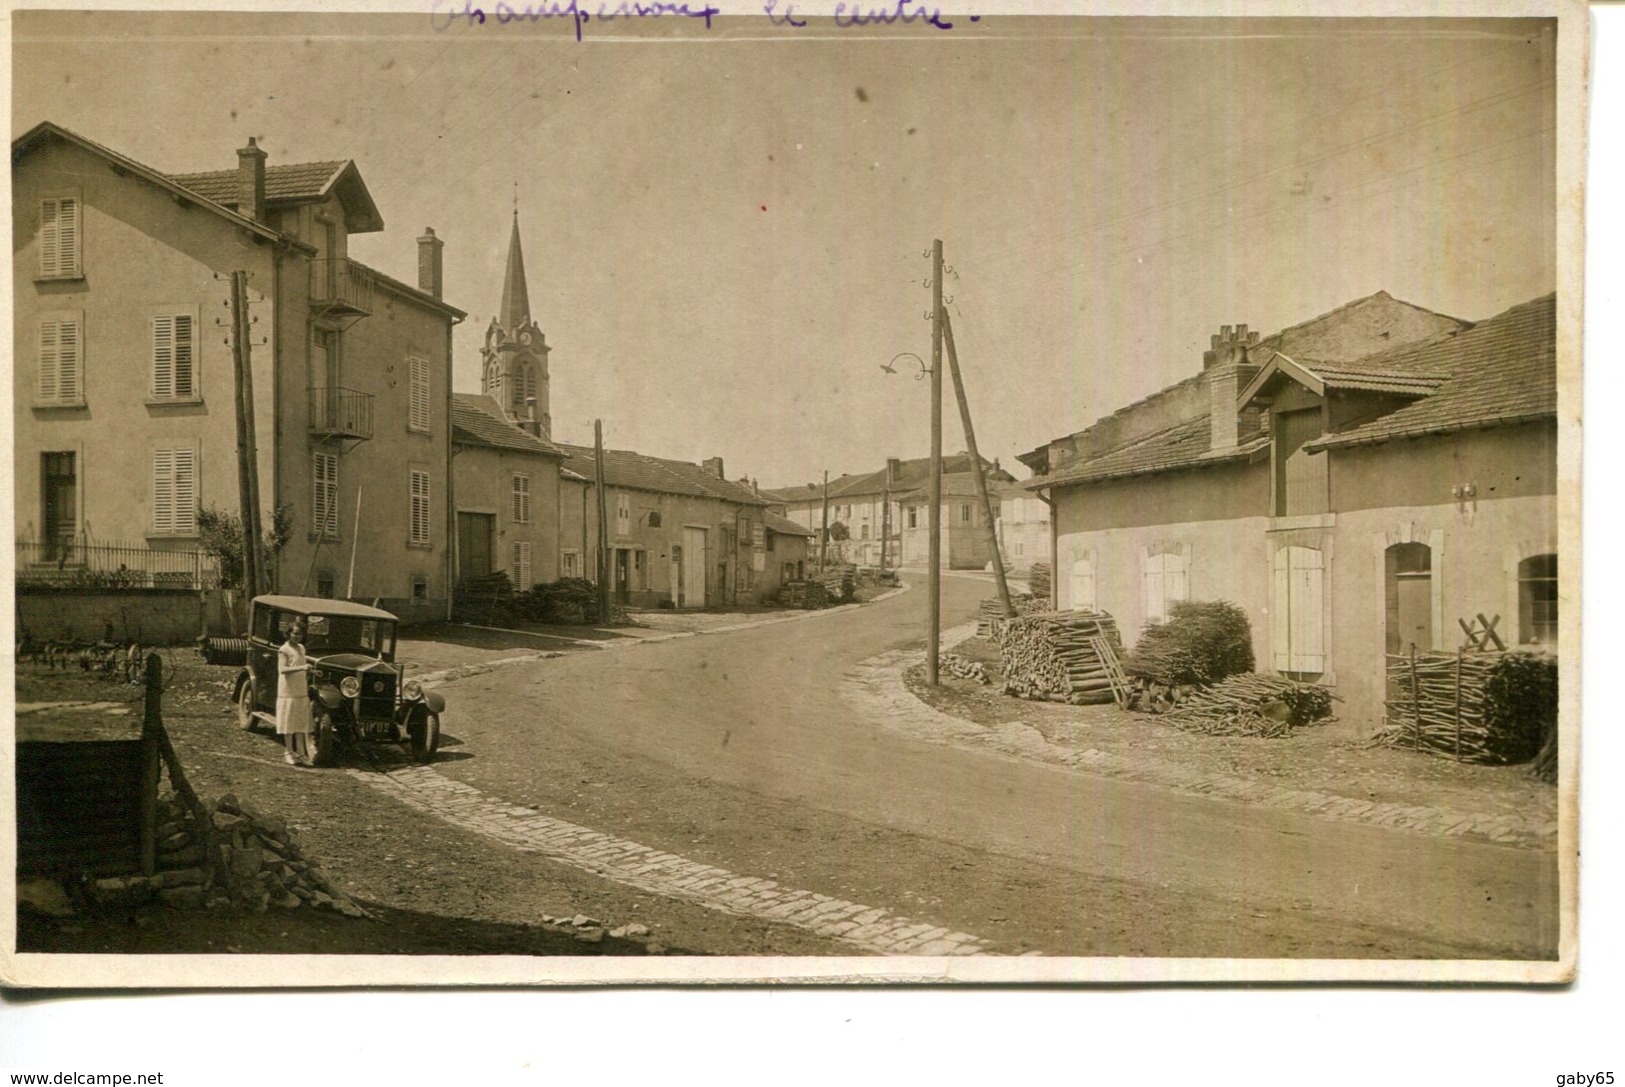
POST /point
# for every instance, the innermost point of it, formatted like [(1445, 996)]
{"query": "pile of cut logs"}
[(1250, 704), (1049, 656), (963, 667), (990, 620)]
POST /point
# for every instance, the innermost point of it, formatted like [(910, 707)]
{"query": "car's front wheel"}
[(245, 703), (423, 733), (324, 738)]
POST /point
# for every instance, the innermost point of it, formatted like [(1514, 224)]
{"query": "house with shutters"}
[(123, 382), (1358, 483), (680, 534), (508, 494), (887, 512)]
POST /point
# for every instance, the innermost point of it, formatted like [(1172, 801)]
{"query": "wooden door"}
[(693, 595), (476, 534)]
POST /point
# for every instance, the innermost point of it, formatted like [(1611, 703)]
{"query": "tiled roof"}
[(478, 420), (910, 474), (954, 485), (1503, 370), (290, 181), (784, 526), (1183, 445), (624, 468)]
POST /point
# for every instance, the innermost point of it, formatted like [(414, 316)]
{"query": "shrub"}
[(1201, 642)]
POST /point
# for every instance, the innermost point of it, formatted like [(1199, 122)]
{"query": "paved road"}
[(739, 750)]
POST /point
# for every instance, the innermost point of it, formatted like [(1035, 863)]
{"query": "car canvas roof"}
[(319, 605)]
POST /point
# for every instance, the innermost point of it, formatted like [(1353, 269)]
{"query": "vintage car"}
[(357, 691)]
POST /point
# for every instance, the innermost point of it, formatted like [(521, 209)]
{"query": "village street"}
[(744, 755)]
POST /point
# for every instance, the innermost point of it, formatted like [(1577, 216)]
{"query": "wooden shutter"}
[(521, 567), (521, 499), (59, 237), (418, 407), (1297, 623), (163, 356), (324, 513), (1154, 589), (1176, 575), (185, 491), (1281, 612), (184, 385), (420, 507), (163, 491), (1083, 585), (59, 361)]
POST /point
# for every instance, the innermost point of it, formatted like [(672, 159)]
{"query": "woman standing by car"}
[(293, 698)]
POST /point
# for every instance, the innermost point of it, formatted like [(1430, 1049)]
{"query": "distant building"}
[(508, 494), (1024, 526), (1357, 483), (123, 383), (887, 512)]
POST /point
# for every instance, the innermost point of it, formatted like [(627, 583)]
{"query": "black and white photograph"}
[(533, 494)]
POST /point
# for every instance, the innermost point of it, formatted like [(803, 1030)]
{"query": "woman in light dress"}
[(293, 699)]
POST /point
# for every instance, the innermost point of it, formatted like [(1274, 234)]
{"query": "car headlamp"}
[(412, 689), (350, 686)]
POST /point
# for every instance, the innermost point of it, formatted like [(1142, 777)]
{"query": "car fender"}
[(245, 676), (330, 697), (434, 700)]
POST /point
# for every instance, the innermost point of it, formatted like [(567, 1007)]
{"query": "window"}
[(521, 567), (420, 589), (863, 531), (324, 586), (61, 360), (59, 238), (324, 493), (913, 517), (1164, 579), (420, 507), (964, 513), (623, 514), (1297, 613), (1537, 600), (174, 353), (570, 564), (174, 491), (417, 414), (1082, 584), (521, 499)]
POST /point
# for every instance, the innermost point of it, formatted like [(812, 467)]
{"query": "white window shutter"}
[(418, 405), (69, 370), (181, 324), (1175, 578), (163, 356), (50, 366), (1281, 612), (1154, 590), (67, 226), (163, 491), (1083, 585), (1308, 646), (185, 519)]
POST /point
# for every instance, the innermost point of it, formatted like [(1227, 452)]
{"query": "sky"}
[(726, 231)]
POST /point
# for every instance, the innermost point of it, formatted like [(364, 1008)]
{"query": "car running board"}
[(265, 718)]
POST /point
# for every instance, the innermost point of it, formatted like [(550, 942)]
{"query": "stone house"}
[(1023, 526), (507, 485), (123, 386), (1357, 483), (893, 503), (681, 535)]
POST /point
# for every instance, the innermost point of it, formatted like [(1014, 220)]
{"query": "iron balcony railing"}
[(76, 563), (340, 287), (341, 413)]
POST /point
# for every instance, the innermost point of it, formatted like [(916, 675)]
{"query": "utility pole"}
[(823, 541), (603, 515), (976, 463), (247, 474), (934, 611), (885, 525)]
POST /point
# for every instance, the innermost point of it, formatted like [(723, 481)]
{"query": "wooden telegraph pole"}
[(603, 514), (823, 540), (934, 609), (989, 531), (247, 473)]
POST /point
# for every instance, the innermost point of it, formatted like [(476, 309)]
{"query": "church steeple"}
[(515, 352), (515, 300)]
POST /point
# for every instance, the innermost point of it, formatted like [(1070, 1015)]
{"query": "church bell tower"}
[(514, 358)]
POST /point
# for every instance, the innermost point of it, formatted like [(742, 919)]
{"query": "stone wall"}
[(148, 616)]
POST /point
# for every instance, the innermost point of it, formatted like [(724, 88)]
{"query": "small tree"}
[(221, 535)]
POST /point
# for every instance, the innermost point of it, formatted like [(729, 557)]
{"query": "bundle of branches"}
[(1251, 704), (810, 595), (567, 600), (1474, 707), (1200, 642), (1052, 656), (1038, 582), (963, 667)]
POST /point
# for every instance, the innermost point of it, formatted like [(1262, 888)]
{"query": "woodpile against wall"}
[(990, 619), (1052, 656), (1496, 708)]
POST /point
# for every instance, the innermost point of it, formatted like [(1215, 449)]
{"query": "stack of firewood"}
[(963, 667), (1049, 656), (1251, 704), (1038, 582), (990, 620), (805, 594)]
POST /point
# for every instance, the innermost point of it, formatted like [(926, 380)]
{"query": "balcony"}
[(340, 413), (341, 288)]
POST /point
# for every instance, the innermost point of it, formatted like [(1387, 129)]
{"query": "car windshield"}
[(349, 634)]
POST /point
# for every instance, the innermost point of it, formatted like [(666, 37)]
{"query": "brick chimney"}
[(1228, 371), (713, 465), (430, 262), (251, 182)]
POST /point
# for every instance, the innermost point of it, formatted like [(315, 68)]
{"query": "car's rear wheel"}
[(423, 732), (245, 704), (324, 738)]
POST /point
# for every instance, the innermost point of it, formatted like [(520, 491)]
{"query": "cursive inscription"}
[(445, 13)]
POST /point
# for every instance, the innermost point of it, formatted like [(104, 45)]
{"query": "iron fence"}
[(81, 564)]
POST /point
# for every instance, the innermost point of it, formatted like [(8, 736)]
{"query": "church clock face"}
[(524, 338)]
